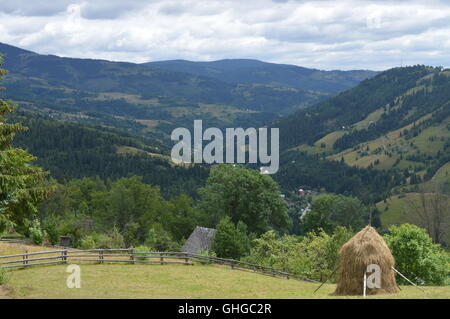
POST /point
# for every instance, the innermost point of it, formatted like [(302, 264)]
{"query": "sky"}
[(328, 35)]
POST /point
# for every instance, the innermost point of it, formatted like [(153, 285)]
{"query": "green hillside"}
[(70, 150), (397, 122), (126, 95), (397, 210), (404, 94)]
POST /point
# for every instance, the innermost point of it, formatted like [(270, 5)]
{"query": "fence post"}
[(65, 256), (161, 258), (100, 255), (186, 259), (132, 255), (25, 258)]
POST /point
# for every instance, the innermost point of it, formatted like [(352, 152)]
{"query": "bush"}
[(314, 256), (72, 230), (417, 257), (36, 234), (111, 241), (89, 242), (160, 240), (141, 249), (205, 253), (130, 234), (4, 276), (5, 224), (51, 229), (231, 241)]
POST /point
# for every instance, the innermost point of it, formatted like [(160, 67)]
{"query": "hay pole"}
[(326, 279), (398, 272), (364, 284)]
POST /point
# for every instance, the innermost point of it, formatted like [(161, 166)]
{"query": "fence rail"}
[(130, 256)]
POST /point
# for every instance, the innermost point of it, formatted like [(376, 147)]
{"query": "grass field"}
[(386, 149), (174, 281), (169, 281), (394, 144), (442, 175), (19, 248), (398, 210)]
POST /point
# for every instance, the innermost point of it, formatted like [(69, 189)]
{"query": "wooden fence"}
[(131, 256)]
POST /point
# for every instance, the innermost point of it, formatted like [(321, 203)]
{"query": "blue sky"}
[(346, 34)]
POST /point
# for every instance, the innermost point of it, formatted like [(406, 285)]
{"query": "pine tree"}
[(21, 184)]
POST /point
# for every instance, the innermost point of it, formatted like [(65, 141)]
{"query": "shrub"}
[(231, 241), (51, 229), (4, 276), (205, 253), (130, 234), (416, 256), (73, 231), (111, 241), (141, 249), (160, 240), (88, 242), (314, 256), (36, 234), (5, 224)]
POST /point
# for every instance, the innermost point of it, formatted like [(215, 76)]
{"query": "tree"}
[(180, 217), (433, 210), (329, 211), (416, 256), (127, 201), (244, 195), (21, 184), (231, 241)]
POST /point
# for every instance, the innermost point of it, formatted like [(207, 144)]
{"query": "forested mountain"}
[(300, 170), (152, 99), (70, 150), (352, 106), (394, 127), (254, 71), (397, 122)]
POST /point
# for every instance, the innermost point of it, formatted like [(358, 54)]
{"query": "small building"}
[(200, 239), (65, 241)]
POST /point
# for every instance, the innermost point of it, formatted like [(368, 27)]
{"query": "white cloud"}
[(322, 34)]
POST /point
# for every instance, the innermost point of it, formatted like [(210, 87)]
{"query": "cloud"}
[(112, 9), (34, 8), (323, 34)]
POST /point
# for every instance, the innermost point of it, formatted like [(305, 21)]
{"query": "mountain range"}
[(254, 71), (153, 98), (360, 133)]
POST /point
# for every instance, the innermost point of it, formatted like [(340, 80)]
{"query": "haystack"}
[(365, 248)]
